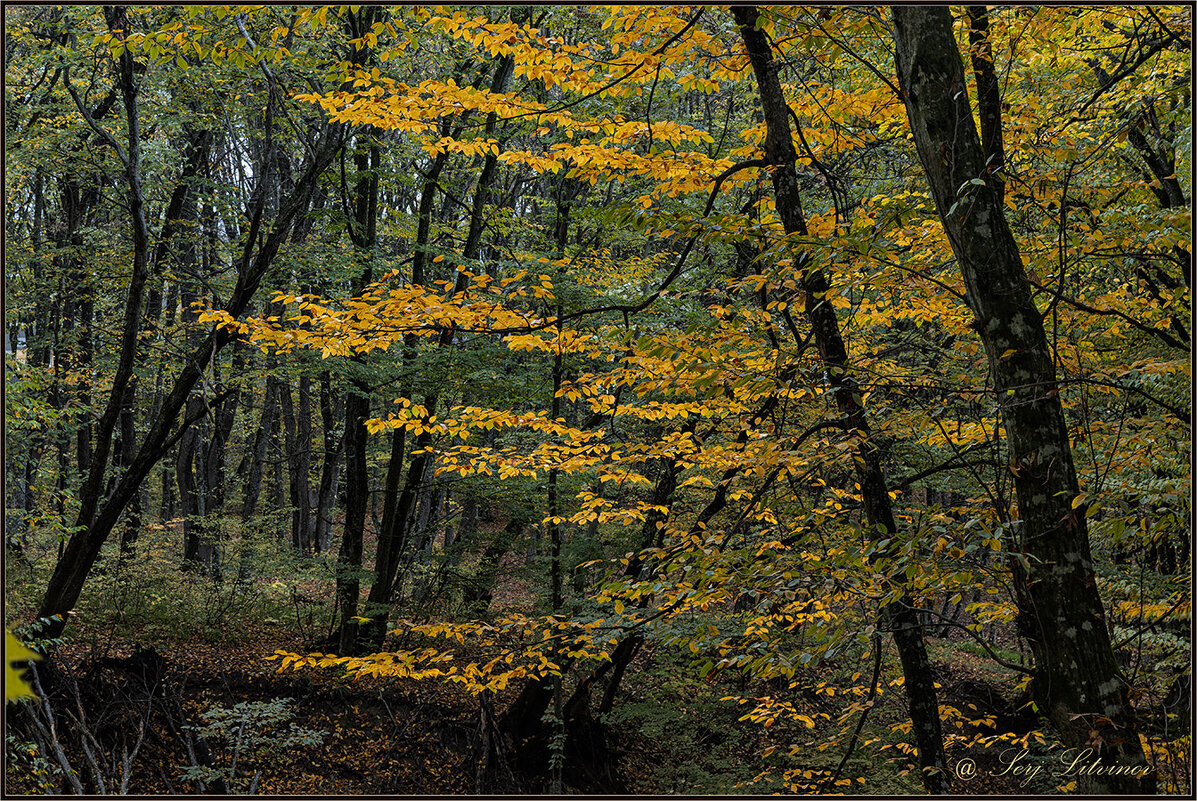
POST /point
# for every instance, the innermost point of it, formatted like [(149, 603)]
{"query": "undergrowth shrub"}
[(151, 595), (247, 733)]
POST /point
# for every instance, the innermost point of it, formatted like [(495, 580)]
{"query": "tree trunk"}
[(190, 495), (902, 616), (478, 594), (330, 466), (349, 558), (90, 494), (298, 444), (257, 457), (989, 99), (1077, 681), (362, 227)]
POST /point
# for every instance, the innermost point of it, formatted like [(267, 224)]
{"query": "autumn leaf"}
[(16, 652)]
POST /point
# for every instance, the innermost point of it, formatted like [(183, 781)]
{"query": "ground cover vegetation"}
[(598, 399)]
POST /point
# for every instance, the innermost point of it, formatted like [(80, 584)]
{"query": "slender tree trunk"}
[(298, 442), (330, 466), (349, 557), (90, 494), (397, 503), (224, 417), (566, 191), (191, 496), (261, 445), (902, 616), (394, 536), (191, 474), (1077, 681), (303, 460), (181, 212), (362, 228)]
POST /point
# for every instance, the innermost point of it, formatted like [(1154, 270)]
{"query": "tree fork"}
[(83, 547), (1078, 683)]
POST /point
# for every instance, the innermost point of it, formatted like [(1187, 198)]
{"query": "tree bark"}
[(1077, 681), (330, 466), (349, 557), (257, 457), (989, 98)]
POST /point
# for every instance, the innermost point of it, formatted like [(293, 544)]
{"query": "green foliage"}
[(248, 733), (692, 740), (27, 769), (151, 595)]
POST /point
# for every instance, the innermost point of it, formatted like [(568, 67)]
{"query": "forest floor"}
[(670, 733), (155, 638)]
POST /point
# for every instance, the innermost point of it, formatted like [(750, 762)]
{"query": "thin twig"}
[(50, 733), (108, 138), (1009, 665), (864, 715)]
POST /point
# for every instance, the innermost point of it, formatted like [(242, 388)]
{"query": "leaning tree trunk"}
[(1077, 681), (97, 518), (902, 616)]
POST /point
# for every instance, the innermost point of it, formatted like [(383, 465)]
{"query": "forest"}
[(597, 400)]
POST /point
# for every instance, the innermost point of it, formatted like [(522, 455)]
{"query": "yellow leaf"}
[(15, 686)]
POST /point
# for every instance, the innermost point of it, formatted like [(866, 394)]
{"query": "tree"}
[(649, 310), (901, 615), (1078, 683)]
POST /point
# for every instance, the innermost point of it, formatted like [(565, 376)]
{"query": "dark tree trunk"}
[(90, 494), (330, 466), (297, 429), (1077, 680), (349, 558), (397, 503), (302, 524), (362, 227), (123, 454), (478, 594), (276, 491), (902, 616), (257, 457), (196, 550), (224, 417), (989, 99), (191, 472)]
